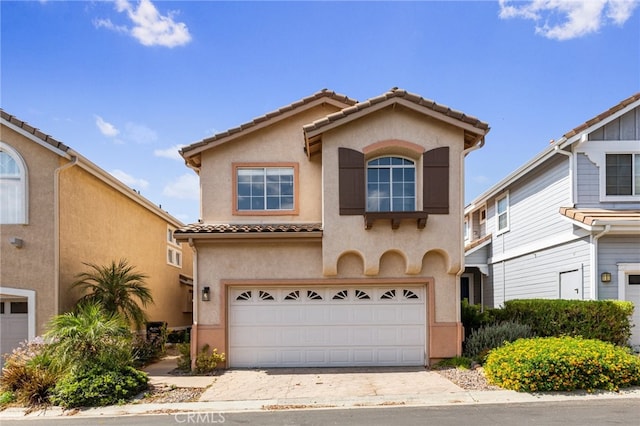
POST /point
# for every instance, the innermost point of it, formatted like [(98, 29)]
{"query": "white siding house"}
[(567, 223)]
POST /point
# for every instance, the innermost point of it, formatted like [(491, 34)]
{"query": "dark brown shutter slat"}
[(351, 181), (435, 196)]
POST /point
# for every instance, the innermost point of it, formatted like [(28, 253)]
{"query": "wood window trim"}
[(395, 218), (296, 189)]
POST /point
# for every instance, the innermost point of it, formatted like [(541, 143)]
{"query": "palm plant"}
[(116, 287), (89, 338)]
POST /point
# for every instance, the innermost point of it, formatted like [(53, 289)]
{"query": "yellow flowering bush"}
[(545, 364)]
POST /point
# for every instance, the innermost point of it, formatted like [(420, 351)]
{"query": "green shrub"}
[(455, 362), (184, 360), (605, 320), (178, 336), (489, 337), (562, 364), (146, 351), (206, 361), (99, 387), (472, 317), (7, 397), (89, 338), (26, 374)]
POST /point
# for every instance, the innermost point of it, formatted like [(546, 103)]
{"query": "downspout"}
[(479, 144), (594, 264), (56, 231), (196, 297)]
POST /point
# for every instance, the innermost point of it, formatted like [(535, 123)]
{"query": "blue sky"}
[(126, 83)]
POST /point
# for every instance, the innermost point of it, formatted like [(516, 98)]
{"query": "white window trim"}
[(172, 241), (31, 307), (597, 151), (625, 269), (173, 262), (416, 177), (467, 229), (507, 212), (24, 178)]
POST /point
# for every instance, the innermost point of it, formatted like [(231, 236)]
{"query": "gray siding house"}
[(566, 224)]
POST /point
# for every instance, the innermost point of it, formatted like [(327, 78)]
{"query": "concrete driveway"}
[(325, 383)]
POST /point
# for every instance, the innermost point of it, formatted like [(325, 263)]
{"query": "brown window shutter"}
[(351, 177), (435, 195)]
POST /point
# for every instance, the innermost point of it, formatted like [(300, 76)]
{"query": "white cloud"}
[(106, 128), (568, 19), (171, 153), (129, 180), (149, 27), (186, 187), (139, 133)]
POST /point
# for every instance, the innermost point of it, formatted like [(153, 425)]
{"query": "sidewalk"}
[(314, 388)]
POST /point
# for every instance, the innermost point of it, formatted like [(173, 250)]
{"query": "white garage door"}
[(14, 326), (314, 327)]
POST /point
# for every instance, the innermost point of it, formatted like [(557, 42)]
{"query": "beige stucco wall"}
[(32, 267), (442, 234), (346, 250), (281, 142), (99, 224)]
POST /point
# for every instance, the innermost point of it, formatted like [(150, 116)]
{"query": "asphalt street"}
[(622, 411)]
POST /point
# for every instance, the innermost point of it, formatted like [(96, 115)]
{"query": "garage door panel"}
[(301, 327)]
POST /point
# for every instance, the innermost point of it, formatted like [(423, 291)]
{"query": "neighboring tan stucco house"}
[(331, 233), (565, 225), (58, 210)]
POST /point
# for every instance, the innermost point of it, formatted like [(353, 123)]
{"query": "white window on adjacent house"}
[(391, 185), (174, 250), (483, 215), (13, 187), (502, 213), (622, 174), (466, 229)]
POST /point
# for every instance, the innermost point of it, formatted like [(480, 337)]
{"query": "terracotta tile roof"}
[(601, 216), (32, 130), (313, 130), (398, 93), (595, 120), (476, 243), (324, 93), (200, 228)]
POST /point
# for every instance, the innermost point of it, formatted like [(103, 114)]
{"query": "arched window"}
[(13, 187), (391, 185)]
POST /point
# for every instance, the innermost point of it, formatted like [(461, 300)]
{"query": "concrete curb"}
[(441, 399)]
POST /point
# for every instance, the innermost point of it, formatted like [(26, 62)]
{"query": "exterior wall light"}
[(605, 277), (206, 294), (16, 242)]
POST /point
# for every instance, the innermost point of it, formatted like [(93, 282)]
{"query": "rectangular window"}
[(483, 215), (174, 257), (19, 308), (634, 279), (466, 229), (265, 189), (622, 174), (502, 213)]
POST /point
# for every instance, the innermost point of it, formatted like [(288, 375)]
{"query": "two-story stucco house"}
[(58, 210), (331, 233), (567, 223)]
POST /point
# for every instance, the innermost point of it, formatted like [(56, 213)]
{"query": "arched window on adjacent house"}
[(13, 186)]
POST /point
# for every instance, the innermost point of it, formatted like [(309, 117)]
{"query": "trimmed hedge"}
[(606, 320), (562, 364)]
